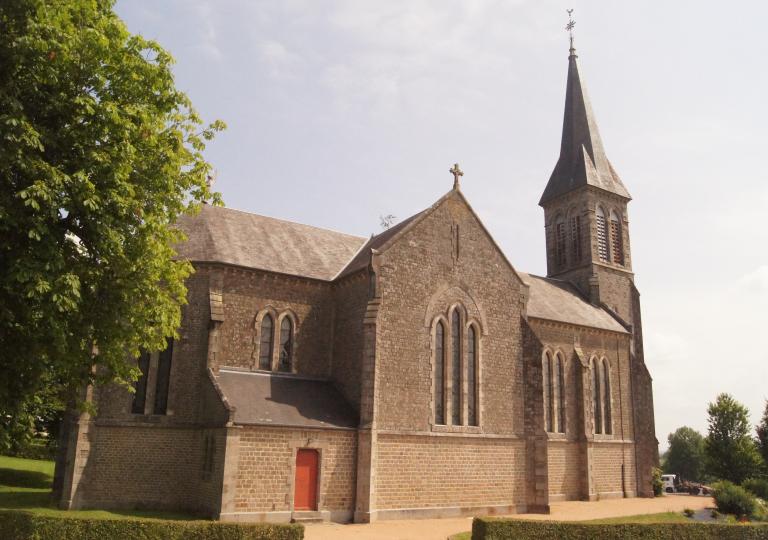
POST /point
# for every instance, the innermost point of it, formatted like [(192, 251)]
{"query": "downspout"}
[(621, 417)]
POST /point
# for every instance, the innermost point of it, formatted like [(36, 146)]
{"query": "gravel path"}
[(440, 529)]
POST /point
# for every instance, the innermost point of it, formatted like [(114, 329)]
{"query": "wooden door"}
[(305, 496)]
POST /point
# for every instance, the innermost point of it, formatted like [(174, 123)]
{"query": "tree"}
[(762, 436), (100, 154), (686, 454), (731, 453)]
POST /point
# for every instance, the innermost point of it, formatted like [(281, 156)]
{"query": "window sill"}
[(440, 428)]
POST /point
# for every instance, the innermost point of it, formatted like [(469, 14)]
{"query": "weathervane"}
[(456, 172), (569, 27)]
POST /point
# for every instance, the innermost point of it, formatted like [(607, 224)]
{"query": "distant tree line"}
[(729, 451)]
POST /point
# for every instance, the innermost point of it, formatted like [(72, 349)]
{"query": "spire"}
[(582, 156)]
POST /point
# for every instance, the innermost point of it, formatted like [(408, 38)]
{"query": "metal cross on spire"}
[(569, 27), (456, 172)]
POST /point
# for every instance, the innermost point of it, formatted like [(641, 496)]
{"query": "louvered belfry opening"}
[(576, 239), (602, 235), (617, 244), (560, 243)]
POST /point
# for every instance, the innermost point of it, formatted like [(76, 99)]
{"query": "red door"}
[(305, 497)]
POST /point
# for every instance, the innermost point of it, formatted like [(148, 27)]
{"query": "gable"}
[(456, 205)]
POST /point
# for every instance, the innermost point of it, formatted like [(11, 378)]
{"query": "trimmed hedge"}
[(507, 529), (17, 525)]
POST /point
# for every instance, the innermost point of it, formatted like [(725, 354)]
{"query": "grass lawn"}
[(664, 517), (25, 484)]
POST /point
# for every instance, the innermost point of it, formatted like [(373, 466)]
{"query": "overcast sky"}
[(342, 111)]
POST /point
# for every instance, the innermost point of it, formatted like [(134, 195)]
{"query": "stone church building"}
[(416, 373)]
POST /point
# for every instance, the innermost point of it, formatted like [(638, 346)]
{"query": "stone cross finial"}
[(456, 172)]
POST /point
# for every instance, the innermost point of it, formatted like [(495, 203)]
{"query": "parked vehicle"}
[(668, 482)]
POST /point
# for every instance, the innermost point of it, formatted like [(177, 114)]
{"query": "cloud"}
[(207, 43), (280, 62), (755, 281)]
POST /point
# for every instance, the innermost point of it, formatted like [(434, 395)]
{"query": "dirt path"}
[(440, 529)]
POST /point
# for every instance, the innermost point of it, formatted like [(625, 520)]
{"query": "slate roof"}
[(219, 234), (556, 300), (283, 400), (582, 158)]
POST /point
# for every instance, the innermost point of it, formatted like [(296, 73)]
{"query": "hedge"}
[(18, 525), (501, 529)]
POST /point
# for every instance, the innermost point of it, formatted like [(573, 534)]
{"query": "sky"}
[(341, 111)]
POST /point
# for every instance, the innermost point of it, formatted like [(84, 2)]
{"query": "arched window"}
[(602, 235), (606, 377), (472, 377), (560, 256), (440, 373), (456, 368), (559, 383), (546, 372), (596, 396), (267, 341), (140, 386), (576, 239), (617, 241), (286, 345)]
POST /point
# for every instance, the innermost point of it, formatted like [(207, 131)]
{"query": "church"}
[(416, 373)]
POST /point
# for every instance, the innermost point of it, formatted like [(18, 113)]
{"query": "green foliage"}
[(758, 486), (689, 512), (730, 452), (23, 526), (99, 155), (657, 482), (32, 431), (685, 456), (733, 499), (509, 529), (762, 437)]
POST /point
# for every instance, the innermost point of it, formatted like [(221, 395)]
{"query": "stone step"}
[(307, 517)]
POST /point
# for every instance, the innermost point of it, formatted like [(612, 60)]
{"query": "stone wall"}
[(611, 460), (445, 259), (565, 471), (247, 292), (144, 467), (350, 297), (266, 469), (448, 471)]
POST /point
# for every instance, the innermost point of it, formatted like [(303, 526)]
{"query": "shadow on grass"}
[(22, 478), (25, 499), (158, 514)]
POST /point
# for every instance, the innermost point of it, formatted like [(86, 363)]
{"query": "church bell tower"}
[(587, 236), (585, 209)]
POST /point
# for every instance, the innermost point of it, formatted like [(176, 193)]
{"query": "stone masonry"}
[(426, 374)]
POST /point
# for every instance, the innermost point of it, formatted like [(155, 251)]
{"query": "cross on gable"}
[(456, 172)]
